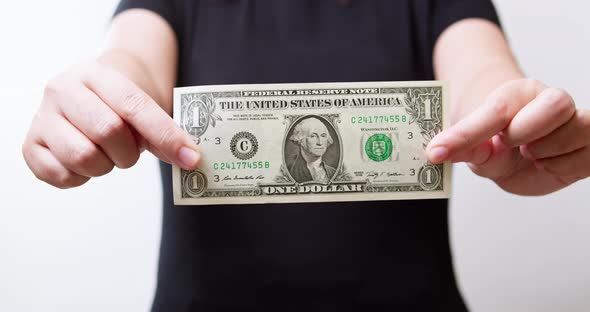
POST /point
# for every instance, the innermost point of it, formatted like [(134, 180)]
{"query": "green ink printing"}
[(379, 147)]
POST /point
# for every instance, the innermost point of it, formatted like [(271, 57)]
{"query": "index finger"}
[(139, 110), (485, 122)]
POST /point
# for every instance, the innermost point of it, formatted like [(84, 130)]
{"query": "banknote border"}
[(365, 196)]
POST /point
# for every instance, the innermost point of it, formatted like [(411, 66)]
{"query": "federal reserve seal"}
[(379, 147), (244, 145)]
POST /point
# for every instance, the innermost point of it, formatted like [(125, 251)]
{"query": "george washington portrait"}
[(312, 150)]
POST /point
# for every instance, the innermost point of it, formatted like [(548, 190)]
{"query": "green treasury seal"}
[(379, 147)]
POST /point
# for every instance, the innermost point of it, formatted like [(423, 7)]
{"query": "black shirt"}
[(368, 256)]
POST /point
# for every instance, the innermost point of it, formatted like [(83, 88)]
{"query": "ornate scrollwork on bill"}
[(312, 142)]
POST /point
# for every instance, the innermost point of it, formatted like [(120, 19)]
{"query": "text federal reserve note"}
[(314, 142)]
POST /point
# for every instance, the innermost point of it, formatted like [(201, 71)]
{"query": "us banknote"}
[(318, 142)]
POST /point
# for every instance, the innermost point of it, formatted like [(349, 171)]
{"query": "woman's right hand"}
[(93, 118)]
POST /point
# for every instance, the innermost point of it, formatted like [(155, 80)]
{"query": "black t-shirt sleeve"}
[(447, 12), (168, 9)]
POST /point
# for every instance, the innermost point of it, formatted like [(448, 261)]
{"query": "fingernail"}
[(524, 151), (539, 164), (188, 157), (438, 154)]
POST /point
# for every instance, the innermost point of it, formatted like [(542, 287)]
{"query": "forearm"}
[(468, 94), (527, 137), (143, 46), (475, 58)]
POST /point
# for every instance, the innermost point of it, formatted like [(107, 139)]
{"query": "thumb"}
[(484, 123), (144, 145)]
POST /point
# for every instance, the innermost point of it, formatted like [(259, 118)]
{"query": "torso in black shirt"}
[(367, 256)]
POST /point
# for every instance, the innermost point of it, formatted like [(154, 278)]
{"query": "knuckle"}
[(129, 162), (88, 67), (534, 150), (551, 169), (167, 136), (561, 94), (563, 103), (83, 156), (556, 167), (105, 170), (44, 174), (501, 109), (531, 85), (40, 175), (56, 177), (26, 151), (53, 87), (67, 180), (109, 128), (584, 117), (478, 170), (482, 171), (37, 118), (461, 136), (41, 172), (133, 103), (87, 70)]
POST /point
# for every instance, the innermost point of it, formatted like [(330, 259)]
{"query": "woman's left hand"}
[(528, 138)]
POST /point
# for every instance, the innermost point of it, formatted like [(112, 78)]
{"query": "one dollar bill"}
[(317, 142)]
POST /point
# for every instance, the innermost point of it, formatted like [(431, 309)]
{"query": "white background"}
[(95, 248)]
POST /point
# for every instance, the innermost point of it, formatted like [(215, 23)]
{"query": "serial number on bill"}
[(378, 119), (237, 165)]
